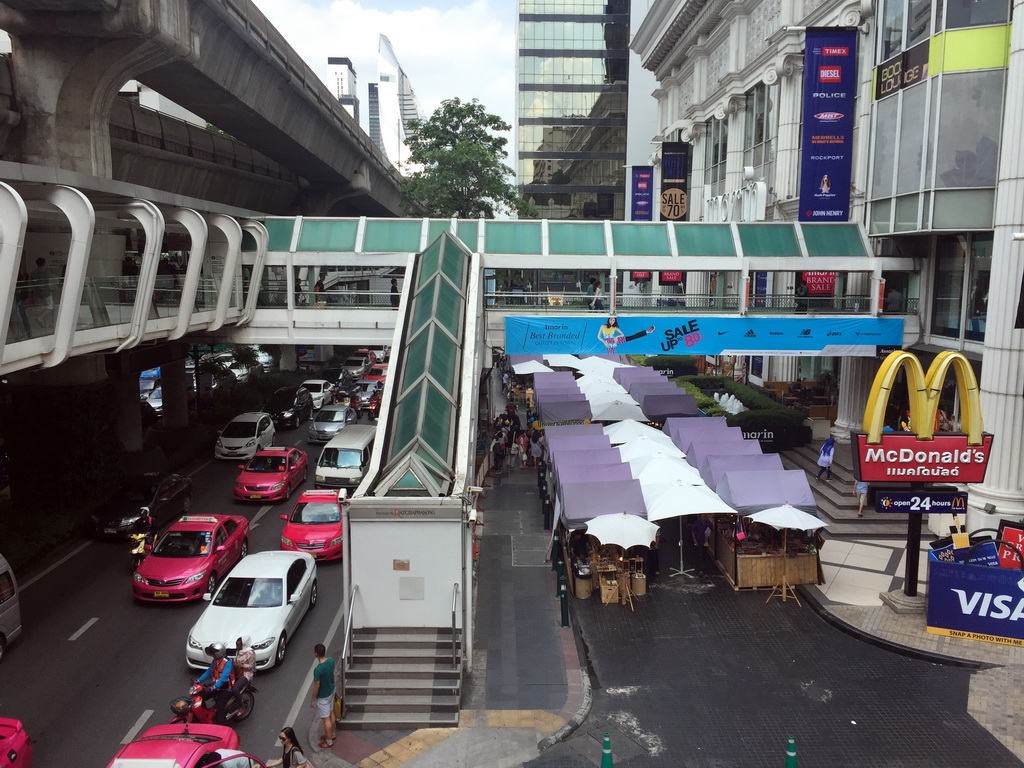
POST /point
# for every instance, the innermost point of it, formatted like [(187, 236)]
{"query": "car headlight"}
[(277, 486), (193, 643), (262, 644), (129, 520), (285, 541), (287, 415), (139, 578), (194, 577), (318, 478), (219, 443), (250, 444), (336, 542)]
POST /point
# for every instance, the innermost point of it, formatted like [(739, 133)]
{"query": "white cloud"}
[(465, 50)]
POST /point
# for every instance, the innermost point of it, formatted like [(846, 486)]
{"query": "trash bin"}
[(638, 583), (584, 583)]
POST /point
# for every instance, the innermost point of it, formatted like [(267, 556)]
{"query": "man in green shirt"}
[(323, 693)]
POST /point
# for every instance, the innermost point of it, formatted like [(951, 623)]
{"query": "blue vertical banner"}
[(826, 162), (643, 193)]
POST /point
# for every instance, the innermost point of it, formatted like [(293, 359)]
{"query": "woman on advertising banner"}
[(612, 336)]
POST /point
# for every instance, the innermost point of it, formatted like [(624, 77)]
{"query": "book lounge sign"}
[(971, 595)]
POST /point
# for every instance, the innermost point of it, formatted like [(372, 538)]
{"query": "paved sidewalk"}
[(529, 687)]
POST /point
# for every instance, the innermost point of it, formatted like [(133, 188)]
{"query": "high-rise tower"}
[(342, 80), (392, 104)]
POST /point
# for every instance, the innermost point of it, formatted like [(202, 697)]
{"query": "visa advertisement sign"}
[(699, 335), (826, 155), (975, 602)]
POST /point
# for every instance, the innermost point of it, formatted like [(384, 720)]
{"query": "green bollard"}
[(791, 753), (563, 594), (606, 753)]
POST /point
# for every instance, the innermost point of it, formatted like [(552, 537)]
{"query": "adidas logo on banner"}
[(750, 334)]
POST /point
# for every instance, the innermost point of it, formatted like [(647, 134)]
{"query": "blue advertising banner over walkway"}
[(702, 335)]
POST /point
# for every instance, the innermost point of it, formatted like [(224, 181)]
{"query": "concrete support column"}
[(289, 360), (783, 368), (129, 414), (1002, 401), (787, 158), (173, 382), (696, 136), (734, 152), (854, 386)]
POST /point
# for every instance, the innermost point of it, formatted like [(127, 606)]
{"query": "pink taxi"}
[(15, 747), (184, 745), (314, 526), (271, 475), (191, 557)]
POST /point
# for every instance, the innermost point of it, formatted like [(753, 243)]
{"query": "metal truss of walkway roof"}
[(541, 237)]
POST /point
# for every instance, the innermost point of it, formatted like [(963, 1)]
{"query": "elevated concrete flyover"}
[(220, 59)]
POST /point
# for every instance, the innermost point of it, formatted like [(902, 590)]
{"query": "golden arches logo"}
[(924, 390)]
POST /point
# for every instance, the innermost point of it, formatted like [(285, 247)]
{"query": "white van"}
[(10, 609), (344, 460)]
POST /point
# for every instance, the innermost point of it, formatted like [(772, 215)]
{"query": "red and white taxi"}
[(182, 744), (191, 557), (314, 526), (271, 475), (377, 372)]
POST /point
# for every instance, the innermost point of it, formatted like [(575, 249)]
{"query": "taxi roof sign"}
[(197, 519), (339, 493)]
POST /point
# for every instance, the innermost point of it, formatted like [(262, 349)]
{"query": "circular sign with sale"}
[(673, 203)]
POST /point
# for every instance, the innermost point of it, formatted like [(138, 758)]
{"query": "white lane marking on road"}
[(258, 515), (201, 467), (304, 692), (134, 730), (82, 631), (26, 584)]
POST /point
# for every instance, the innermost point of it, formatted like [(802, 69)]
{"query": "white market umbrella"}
[(783, 518), (680, 498), (600, 365), (562, 361), (625, 431), (659, 468), (600, 398), (615, 410), (644, 446), (623, 529), (592, 381), (787, 516), (529, 366)]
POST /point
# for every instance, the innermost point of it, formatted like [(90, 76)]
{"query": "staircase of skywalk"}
[(837, 505), (402, 678)]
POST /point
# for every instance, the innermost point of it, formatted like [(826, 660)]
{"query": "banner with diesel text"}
[(641, 208), (826, 154), (701, 335)]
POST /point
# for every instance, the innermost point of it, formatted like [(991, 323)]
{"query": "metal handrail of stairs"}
[(347, 647), (455, 605)]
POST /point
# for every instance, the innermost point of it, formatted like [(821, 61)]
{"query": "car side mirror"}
[(241, 466), (284, 517), (207, 596), (293, 599)]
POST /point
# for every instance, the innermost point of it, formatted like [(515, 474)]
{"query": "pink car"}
[(271, 475), (191, 557), (183, 745), (15, 748), (314, 526)]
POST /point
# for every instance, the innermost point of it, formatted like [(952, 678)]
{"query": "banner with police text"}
[(642, 205), (830, 82), (701, 335)]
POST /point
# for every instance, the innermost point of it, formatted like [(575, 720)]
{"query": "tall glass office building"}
[(573, 84)]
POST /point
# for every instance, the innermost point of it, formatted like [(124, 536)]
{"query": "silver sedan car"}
[(328, 421)]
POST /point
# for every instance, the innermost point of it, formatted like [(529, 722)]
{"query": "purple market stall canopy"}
[(591, 473), (569, 456), (626, 376), (702, 335), (514, 359), (548, 377), (683, 430), (662, 406), (580, 502), (584, 442), (715, 466), (572, 430), (574, 409), (640, 389), (706, 445), (749, 492)]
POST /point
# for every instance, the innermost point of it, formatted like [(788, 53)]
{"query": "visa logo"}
[(994, 607)]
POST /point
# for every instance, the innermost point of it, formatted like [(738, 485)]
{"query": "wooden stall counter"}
[(765, 569)]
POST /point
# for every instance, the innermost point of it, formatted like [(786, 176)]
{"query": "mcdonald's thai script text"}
[(906, 458)]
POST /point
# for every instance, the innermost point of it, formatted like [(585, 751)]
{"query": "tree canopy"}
[(458, 158)]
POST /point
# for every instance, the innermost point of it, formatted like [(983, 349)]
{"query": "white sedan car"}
[(244, 435), (265, 596), (321, 390)]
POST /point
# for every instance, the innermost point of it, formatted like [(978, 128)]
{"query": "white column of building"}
[(1002, 400), (735, 112), (854, 385), (787, 157), (783, 368)]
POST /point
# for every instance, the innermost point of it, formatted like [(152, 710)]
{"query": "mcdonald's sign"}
[(923, 456)]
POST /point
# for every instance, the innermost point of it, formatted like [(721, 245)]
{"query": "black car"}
[(166, 496), (290, 406)]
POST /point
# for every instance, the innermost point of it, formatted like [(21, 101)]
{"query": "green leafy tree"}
[(459, 170)]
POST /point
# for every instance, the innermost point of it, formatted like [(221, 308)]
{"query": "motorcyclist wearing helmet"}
[(219, 676), (243, 669)]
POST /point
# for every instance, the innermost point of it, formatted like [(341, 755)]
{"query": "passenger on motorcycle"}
[(242, 671), (219, 673)]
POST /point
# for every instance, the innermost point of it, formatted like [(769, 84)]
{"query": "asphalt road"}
[(94, 667)]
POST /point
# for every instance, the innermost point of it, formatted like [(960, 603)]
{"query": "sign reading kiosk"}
[(923, 456)]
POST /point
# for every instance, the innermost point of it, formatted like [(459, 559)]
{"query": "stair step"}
[(394, 668), (399, 686), (355, 721), (405, 655), (404, 703)]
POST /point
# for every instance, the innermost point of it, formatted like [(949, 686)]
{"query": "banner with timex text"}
[(826, 154), (643, 193)]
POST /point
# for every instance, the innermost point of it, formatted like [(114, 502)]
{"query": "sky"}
[(448, 48)]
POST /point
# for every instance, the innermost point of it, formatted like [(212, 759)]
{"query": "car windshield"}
[(281, 401), (183, 544), (339, 458), (313, 386), (156, 394), (331, 415), (355, 362), (316, 513), (239, 592), (237, 429), (265, 464)]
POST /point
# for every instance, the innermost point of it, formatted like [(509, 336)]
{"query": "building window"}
[(967, 150), (976, 13), (715, 151), (963, 266), (977, 290), (759, 131)]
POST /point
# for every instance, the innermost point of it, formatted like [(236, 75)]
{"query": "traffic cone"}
[(606, 753), (791, 753)]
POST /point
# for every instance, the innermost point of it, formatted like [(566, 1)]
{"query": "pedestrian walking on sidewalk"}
[(825, 458), (323, 693), (860, 490)]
